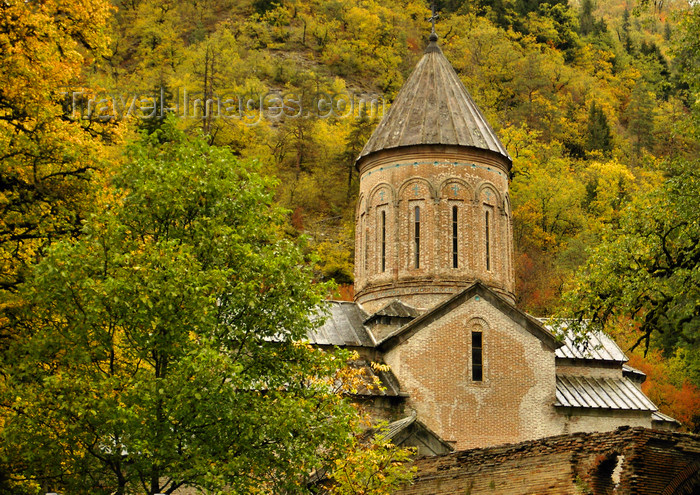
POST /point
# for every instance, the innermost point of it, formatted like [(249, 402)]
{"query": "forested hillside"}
[(596, 102), (588, 99), (592, 100)]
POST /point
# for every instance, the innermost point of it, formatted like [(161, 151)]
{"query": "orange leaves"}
[(674, 395), (45, 158)]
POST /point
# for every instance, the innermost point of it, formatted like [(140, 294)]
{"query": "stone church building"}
[(434, 292)]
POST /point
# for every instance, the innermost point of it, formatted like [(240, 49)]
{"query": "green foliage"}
[(687, 51), (556, 26), (599, 137), (162, 348), (640, 117), (537, 64), (649, 268), (535, 68), (588, 24)]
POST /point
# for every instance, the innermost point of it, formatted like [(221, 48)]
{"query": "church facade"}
[(434, 291)]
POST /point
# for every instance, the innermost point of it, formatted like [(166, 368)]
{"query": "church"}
[(434, 292)]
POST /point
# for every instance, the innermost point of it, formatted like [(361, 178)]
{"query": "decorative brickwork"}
[(628, 461), (444, 183)]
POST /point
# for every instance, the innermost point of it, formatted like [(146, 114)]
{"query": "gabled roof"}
[(523, 319), (396, 309), (600, 393), (344, 327), (434, 107), (411, 432), (595, 346)]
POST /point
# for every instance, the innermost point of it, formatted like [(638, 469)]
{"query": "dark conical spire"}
[(434, 107)]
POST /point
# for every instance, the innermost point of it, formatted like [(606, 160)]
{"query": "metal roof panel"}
[(342, 327), (595, 346), (600, 393)]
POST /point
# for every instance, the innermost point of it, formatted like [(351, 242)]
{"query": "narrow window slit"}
[(383, 241), (455, 242), (416, 236), (477, 357), (488, 243)]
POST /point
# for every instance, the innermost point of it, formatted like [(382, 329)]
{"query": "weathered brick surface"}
[(514, 400), (650, 462), (574, 421), (435, 178), (593, 369)]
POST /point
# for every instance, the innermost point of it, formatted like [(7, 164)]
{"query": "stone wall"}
[(628, 461), (569, 420)]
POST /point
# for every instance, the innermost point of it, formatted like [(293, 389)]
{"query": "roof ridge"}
[(435, 313)]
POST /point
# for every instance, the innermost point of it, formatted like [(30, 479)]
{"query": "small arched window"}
[(477, 356)]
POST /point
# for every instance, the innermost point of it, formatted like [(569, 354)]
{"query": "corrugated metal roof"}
[(343, 327), (659, 416), (393, 429), (600, 393), (396, 308), (634, 373), (595, 346), (434, 107)]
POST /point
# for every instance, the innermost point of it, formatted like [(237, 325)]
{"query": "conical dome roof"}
[(434, 107)]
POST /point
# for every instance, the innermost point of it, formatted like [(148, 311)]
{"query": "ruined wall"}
[(628, 461), (512, 403)]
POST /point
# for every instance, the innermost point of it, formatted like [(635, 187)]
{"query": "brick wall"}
[(594, 369), (514, 400), (567, 420), (628, 461), (435, 179)]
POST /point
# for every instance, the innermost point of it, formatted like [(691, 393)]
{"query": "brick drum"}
[(435, 179)]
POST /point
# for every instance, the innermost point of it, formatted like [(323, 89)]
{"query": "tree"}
[(164, 346), (687, 51), (640, 117), (669, 388), (649, 268), (586, 18), (599, 137), (373, 467), (47, 156)]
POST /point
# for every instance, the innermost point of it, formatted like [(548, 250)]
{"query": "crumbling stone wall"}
[(627, 461)]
